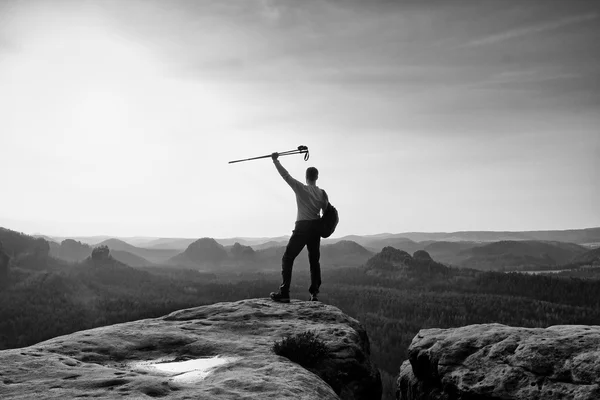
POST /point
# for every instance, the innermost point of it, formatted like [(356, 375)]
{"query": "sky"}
[(119, 117)]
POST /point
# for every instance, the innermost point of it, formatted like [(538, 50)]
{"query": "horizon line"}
[(281, 236)]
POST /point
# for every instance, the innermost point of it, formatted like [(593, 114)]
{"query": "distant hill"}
[(117, 244), (268, 251), (400, 243), (519, 255), (91, 240), (110, 271), (344, 253), (345, 247), (449, 247), (271, 243), (579, 236), (250, 241), (74, 251), (17, 244), (155, 256), (25, 251), (241, 252), (182, 244), (389, 259), (353, 238), (71, 250), (169, 243), (130, 259), (591, 256), (449, 252), (234, 240), (205, 253), (398, 264), (376, 243), (371, 240)]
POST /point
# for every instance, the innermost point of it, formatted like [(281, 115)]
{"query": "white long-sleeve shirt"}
[(309, 198)]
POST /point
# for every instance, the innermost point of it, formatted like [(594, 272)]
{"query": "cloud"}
[(534, 29), (533, 76), (269, 10)]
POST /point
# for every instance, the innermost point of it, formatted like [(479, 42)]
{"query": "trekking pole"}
[(299, 150)]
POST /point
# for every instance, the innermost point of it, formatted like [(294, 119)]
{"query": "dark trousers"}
[(306, 234)]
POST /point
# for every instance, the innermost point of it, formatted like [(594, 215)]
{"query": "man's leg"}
[(294, 247), (314, 254)]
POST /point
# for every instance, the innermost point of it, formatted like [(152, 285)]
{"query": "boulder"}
[(219, 351), (494, 361)]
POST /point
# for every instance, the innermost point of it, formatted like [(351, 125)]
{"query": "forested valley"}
[(394, 296)]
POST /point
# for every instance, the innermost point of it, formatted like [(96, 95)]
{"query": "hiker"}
[(310, 200)]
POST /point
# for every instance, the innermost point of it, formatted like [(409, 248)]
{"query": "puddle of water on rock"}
[(185, 371)]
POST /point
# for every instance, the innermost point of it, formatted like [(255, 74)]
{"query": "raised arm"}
[(294, 184)]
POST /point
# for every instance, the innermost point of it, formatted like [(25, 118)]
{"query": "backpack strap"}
[(326, 198)]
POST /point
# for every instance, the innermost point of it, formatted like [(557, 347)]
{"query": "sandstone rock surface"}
[(116, 361), (494, 361)]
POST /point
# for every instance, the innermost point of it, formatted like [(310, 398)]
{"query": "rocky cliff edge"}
[(219, 351), (493, 361)]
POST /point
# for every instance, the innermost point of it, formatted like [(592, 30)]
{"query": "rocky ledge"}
[(220, 351), (494, 361)]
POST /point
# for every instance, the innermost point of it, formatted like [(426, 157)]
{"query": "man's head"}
[(312, 174)]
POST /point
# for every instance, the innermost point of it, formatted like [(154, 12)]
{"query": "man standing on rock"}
[(310, 200)]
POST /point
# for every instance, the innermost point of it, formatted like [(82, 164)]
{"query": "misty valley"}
[(394, 285)]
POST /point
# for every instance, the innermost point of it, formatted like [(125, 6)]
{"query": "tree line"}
[(39, 304)]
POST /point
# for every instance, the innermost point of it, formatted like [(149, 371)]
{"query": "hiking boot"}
[(313, 297), (280, 297)]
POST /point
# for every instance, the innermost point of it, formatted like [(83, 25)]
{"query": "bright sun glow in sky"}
[(119, 117)]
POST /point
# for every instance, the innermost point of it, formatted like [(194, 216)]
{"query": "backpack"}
[(329, 220)]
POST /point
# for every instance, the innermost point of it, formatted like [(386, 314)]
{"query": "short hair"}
[(312, 174)]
